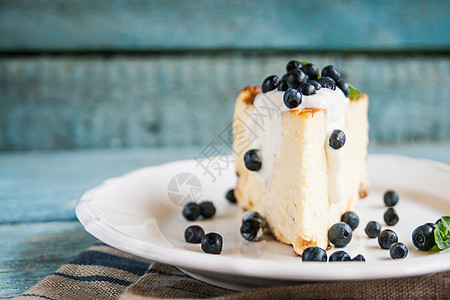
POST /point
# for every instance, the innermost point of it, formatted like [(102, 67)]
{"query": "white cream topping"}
[(266, 125)]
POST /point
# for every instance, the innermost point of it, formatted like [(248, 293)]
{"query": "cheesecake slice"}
[(303, 184)]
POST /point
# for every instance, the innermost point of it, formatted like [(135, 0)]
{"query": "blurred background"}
[(92, 89)]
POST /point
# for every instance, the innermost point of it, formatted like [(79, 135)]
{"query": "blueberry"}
[(351, 219), (423, 237), (337, 139), (344, 87), (386, 238), (340, 234), (390, 198), (390, 217), (433, 225), (372, 229), (193, 234), (327, 82), (191, 211), (292, 98), (314, 254), (254, 215), (207, 209), (311, 70), (398, 250), (296, 78), (340, 256), (293, 64), (359, 257), (315, 83), (251, 230), (331, 71), (212, 243), (282, 87), (270, 83), (230, 196), (308, 88), (252, 160)]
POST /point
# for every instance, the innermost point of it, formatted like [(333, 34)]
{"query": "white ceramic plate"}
[(137, 214)]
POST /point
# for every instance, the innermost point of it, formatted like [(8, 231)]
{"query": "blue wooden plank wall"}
[(94, 74), (216, 24), (90, 102)]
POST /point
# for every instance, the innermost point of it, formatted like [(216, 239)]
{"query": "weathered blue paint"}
[(204, 24), (38, 186), (81, 102), (32, 251)]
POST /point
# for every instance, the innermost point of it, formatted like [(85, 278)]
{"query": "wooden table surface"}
[(38, 194), (39, 191)]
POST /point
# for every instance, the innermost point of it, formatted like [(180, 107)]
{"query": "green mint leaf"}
[(354, 93), (442, 233)]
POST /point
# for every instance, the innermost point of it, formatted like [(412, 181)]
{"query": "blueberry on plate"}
[(390, 198), (390, 217), (340, 234), (339, 256), (270, 83), (331, 71), (359, 257), (372, 229), (207, 209), (293, 64), (193, 234), (386, 238), (252, 160), (212, 243), (315, 83), (230, 196), (398, 250), (351, 219), (327, 82), (296, 78), (344, 87), (254, 215), (314, 254), (423, 237), (191, 211), (433, 225), (251, 230), (292, 98), (337, 139), (311, 70), (308, 88)]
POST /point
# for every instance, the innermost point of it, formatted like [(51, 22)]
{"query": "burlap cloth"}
[(102, 272)]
